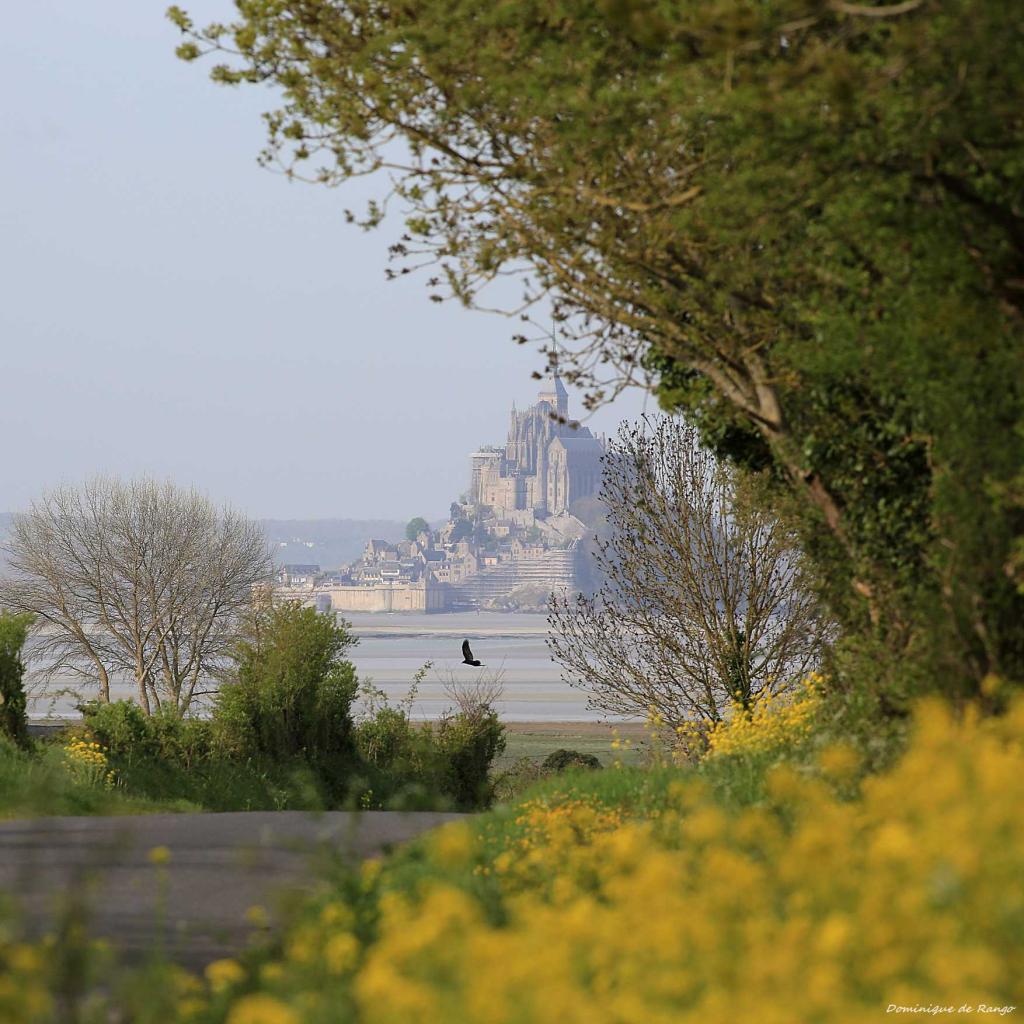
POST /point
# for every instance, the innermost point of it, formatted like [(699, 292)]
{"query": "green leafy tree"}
[(561, 760), (463, 528), (415, 527), (801, 220), (292, 690), (13, 721)]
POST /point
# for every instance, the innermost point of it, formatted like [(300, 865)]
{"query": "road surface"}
[(195, 906)]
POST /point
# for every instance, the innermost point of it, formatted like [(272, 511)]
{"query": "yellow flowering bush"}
[(87, 761), (24, 984), (808, 908), (262, 1009), (224, 974), (552, 847), (36, 978), (774, 722), (159, 856)]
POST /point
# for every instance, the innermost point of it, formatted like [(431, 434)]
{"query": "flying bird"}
[(467, 655)]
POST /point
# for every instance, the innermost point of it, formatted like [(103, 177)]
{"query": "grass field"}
[(538, 739), (39, 782)]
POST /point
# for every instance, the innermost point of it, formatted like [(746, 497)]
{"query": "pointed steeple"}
[(556, 395)]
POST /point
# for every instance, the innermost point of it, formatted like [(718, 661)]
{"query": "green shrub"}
[(387, 739), (515, 780), (13, 723), (165, 757), (40, 781), (442, 763), (121, 727), (396, 762), (467, 745), (560, 760), (130, 736), (184, 741), (281, 734), (291, 697)]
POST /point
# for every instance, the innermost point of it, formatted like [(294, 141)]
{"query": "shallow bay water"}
[(392, 646)]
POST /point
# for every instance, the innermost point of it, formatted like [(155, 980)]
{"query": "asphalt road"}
[(194, 908)]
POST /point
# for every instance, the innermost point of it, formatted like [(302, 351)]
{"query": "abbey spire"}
[(545, 466)]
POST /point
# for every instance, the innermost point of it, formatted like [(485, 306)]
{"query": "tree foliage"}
[(13, 720), (462, 529), (801, 219), (292, 687), (451, 757), (415, 527)]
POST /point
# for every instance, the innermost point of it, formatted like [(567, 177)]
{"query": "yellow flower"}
[(839, 761), (337, 914), (453, 845), (834, 934), (258, 917), (369, 872), (340, 952), (260, 1008), (271, 973), (893, 841), (705, 824), (23, 959), (223, 974), (771, 723), (159, 856), (190, 1008), (805, 907), (991, 685), (303, 945)]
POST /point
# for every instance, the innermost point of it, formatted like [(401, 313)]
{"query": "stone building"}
[(545, 466)]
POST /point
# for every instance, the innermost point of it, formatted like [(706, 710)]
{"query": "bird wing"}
[(466, 652)]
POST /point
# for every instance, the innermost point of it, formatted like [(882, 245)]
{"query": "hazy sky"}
[(168, 307)]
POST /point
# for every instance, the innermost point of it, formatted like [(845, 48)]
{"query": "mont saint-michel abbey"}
[(545, 465), (516, 535)]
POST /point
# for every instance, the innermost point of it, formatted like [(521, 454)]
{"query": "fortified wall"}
[(424, 596)]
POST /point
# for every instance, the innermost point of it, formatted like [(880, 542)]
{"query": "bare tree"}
[(475, 697), (705, 602), (140, 579)]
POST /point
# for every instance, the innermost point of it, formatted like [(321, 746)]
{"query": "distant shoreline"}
[(489, 624), (48, 726), (463, 631), (391, 649)]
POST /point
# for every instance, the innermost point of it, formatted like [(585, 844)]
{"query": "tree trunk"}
[(140, 681), (104, 685)]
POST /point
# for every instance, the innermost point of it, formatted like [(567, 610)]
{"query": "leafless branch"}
[(140, 579), (705, 602), (479, 695)]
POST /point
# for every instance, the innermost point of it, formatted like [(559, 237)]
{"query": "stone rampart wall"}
[(387, 597)]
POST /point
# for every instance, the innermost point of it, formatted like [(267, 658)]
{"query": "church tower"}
[(545, 465), (556, 396)]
